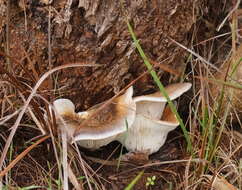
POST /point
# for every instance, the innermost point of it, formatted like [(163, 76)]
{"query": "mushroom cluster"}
[(140, 123)]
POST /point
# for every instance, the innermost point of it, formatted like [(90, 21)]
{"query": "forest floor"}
[(211, 109)]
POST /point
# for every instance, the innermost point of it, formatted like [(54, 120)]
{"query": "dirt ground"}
[(39, 35)]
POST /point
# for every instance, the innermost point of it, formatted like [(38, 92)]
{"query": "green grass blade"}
[(134, 181), (31, 187), (161, 87)]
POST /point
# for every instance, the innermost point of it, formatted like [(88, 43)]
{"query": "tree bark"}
[(95, 31)]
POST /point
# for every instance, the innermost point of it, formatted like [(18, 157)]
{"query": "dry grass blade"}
[(20, 156), (83, 166), (103, 162), (38, 124), (196, 55), (40, 81), (196, 160), (220, 183), (215, 81), (64, 160), (8, 117), (230, 13), (73, 179)]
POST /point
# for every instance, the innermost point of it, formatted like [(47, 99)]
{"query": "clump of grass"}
[(210, 135)]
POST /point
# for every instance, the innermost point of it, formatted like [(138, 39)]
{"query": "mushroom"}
[(100, 127), (153, 121), (149, 120)]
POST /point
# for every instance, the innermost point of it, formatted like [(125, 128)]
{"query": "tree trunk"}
[(95, 31)]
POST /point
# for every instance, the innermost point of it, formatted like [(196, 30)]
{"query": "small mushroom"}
[(153, 121), (100, 127)]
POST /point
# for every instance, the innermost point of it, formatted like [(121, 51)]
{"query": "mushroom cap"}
[(100, 127), (173, 91), (152, 105), (64, 106), (110, 121), (66, 117)]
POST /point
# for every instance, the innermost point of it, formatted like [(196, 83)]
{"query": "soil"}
[(43, 36)]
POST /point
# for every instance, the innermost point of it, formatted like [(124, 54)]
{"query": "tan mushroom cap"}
[(111, 120), (108, 122)]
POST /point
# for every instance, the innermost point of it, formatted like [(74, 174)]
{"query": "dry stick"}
[(15, 126), (20, 156)]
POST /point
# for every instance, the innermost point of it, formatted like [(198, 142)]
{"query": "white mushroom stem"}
[(147, 135)]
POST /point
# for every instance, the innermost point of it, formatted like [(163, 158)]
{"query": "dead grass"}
[(35, 155)]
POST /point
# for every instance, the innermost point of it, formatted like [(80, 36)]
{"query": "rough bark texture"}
[(96, 32)]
